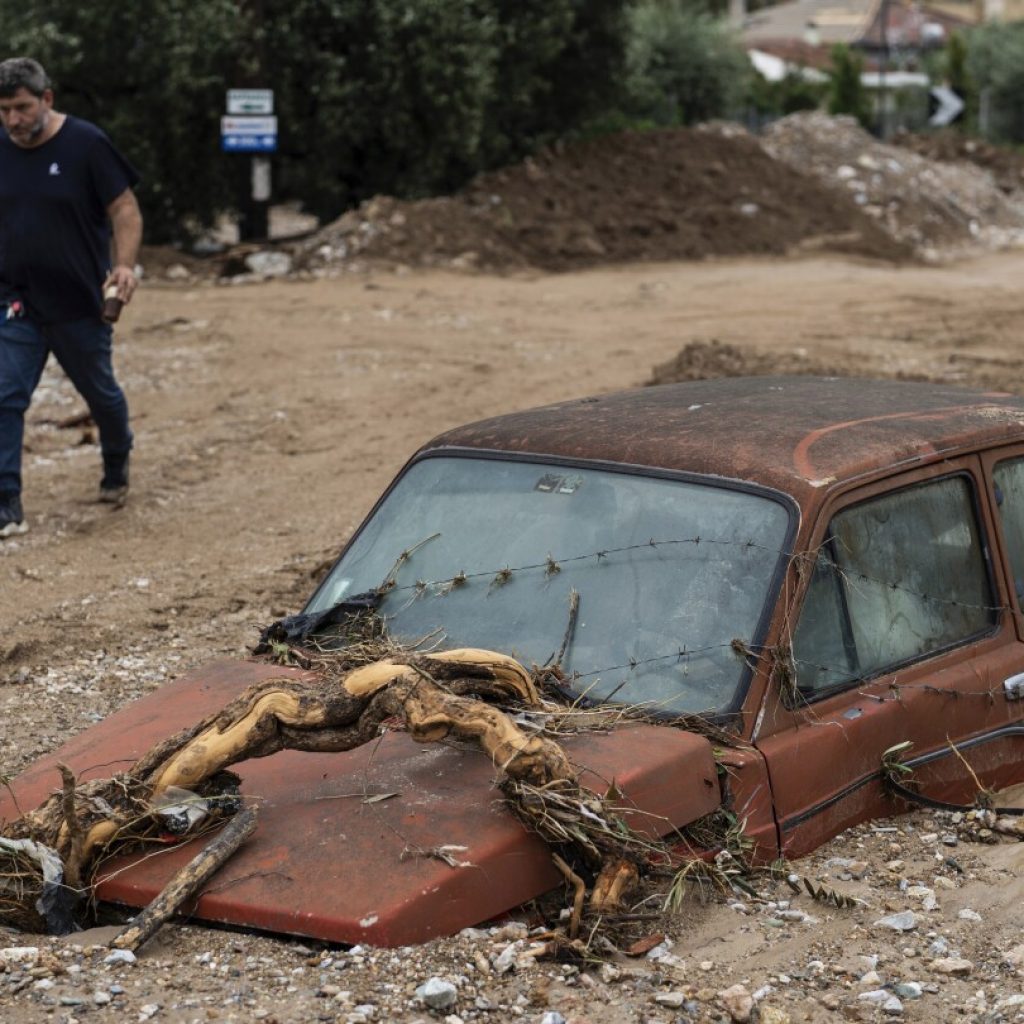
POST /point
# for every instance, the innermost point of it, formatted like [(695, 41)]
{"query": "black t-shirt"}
[(54, 231)]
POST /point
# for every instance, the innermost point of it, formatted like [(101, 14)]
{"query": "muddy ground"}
[(268, 417)]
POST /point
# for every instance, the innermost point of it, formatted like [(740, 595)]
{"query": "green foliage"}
[(407, 97), (995, 63), (846, 93), (683, 64), (152, 74), (959, 79), (791, 93)]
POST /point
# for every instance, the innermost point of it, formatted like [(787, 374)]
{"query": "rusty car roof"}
[(795, 434)]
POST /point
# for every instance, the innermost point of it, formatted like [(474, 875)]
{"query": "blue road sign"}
[(248, 134), (248, 143)]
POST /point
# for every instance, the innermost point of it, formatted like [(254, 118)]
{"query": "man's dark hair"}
[(22, 73)]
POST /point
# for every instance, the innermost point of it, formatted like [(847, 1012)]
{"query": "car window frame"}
[(990, 459), (773, 595), (981, 497)]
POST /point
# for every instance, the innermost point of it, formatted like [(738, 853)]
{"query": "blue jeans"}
[(83, 349)]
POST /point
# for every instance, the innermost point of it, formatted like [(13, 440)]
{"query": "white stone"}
[(19, 954), (119, 956), (904, 921), (952, 965), (438, 994), (738, 1003)]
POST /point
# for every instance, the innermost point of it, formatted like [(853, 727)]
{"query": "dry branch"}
[(187, 882)]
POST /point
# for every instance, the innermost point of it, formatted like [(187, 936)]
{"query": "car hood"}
[(390, 844)]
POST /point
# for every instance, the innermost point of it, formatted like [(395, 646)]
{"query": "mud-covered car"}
[(814, 571)]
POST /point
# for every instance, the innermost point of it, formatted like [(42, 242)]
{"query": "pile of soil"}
[(941, 209), (659, 195), (1004, 164)]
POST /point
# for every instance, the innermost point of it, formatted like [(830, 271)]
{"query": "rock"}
[(506, 959), (908, 990), (552, 1017), (177, 272), (773, 1015), (270, 264), (904, 921), (119, 956), (19, 954), (1014, 958), (952, 965), (872, 979), (438, 994), (737, 1002), (673, 1000), (969, 915), (886, 1000)]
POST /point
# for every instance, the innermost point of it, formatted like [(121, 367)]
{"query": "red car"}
[(823, 568)]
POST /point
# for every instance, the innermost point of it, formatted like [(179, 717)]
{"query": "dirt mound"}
[(936, 207), (706, 360), (1004, 164), (659, 195)]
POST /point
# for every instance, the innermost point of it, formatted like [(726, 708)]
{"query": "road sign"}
[(248, 134), (250, 101), (946, 106)]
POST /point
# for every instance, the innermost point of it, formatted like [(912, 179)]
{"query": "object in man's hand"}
[(111, 304)]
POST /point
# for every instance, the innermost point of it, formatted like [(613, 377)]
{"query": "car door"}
[(903, 633)]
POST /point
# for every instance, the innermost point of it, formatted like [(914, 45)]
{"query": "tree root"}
[(449, 694)]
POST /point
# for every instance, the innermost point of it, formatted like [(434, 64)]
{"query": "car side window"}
[(1009, 481), (899, 577)]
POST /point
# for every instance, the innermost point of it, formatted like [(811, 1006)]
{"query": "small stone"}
[(609, 973), (904, 921), (908, 990), (148, 1011), (673, 1000), (506, 959), (872, 979), (1014, 958), (876, 996), (19, 954), (552, 1017), (101, 998), (707, 965), (438, 994), (773, 1015), (738, 1003), (952, 965), (969, 915), (119, 956), (942, 882)]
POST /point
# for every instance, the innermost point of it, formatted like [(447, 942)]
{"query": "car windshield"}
[(672, 575)]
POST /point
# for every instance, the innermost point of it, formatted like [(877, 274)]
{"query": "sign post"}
[(251, 127)]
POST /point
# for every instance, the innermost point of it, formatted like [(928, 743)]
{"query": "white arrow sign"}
[(950, 106)]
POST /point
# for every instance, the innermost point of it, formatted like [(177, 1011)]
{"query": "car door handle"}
[(1014, 687)]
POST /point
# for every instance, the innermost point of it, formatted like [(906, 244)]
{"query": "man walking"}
[(63, 187)]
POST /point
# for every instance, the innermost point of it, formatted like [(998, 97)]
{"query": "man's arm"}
[(126, 221)]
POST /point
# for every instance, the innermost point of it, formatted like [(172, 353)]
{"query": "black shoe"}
[(114, 485), (12, 521)]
